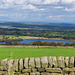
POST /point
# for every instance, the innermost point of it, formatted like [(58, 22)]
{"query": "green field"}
[(18, 53)]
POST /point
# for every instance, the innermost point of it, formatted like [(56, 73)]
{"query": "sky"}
[(52, 11)]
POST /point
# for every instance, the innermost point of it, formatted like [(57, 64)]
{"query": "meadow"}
[(17, 53)]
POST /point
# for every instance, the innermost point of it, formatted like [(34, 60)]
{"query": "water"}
[(42, 40)]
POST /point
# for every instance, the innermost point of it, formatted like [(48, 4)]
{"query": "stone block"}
[(26, 70), (50, 62), (54, 73), (44, 73), (0, 66), (66, 61), (71, 62), (61, 62), (21, 74), (16, 63), (72, 73), (4, 64), (66, 74), (4, 73), (60, 74), (35, 73), (54, 70), (10, 67), (41, 69), (34, 70), (20, 65), (54, 64), (37, 62), (0, 72), (31, 62), (44, 62), (26, 60), (69, 69)]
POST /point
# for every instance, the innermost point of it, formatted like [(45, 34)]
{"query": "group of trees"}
[(39, 33), (39, 43)]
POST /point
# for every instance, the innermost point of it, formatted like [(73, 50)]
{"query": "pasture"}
[(17, 53)]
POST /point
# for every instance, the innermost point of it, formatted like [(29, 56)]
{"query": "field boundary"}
[(19, 46)]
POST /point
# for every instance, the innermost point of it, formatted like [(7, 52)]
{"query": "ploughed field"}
[(17, 53)]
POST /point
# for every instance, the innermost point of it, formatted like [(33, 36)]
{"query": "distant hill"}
[(46, 26)]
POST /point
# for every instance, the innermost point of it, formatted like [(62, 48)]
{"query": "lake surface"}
[(42, 40)]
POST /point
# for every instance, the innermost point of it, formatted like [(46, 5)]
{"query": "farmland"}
[(17, 53)]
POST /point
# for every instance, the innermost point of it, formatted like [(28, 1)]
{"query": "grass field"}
[(18, 53)]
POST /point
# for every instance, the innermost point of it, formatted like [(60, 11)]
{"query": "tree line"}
[(39, 43)]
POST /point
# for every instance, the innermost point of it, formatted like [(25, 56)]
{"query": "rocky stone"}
[(20, 64), (66, 74), (34, 70), (44, 73), (66, 61), (37, 62), (72, 73), (41, 69), (0, 72), (53, 70), (10, 67), (71, 62), (60, 73), (4, 64), (4, 73), (31, 62), (69, 69), (54, 64), (61, 62), (35, 73), (26, 70), (54, 73), (0, 66), (44, 62), (16, 62), (26, 63), (50, 62), (21, 74)]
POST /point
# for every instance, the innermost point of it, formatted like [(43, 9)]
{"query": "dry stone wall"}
[(38, 66)]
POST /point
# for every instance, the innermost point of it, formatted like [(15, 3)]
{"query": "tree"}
[(60, 43), (67, 44), (8, 43), (38, 43), (15, 43)]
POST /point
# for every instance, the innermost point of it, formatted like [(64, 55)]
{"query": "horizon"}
[(36, 22)]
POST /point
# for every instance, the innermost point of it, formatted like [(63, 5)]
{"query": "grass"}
[(17, 53)]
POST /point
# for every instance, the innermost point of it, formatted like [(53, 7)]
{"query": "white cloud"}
[(29, 6), (70, 9), (3, 15), (35, 1), (32, 4), (51, 1), (55, 17), (68, 1), (59, 7)]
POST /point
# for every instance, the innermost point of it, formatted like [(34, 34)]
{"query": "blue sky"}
[(38, 10)]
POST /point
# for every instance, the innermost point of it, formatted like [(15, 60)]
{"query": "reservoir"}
[(42, 40)]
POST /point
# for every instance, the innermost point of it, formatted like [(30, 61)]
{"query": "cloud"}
[(67, 1), (3, 15), (59, 7), (70, 9), (51, 1), (55, 17), (29, 6)]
